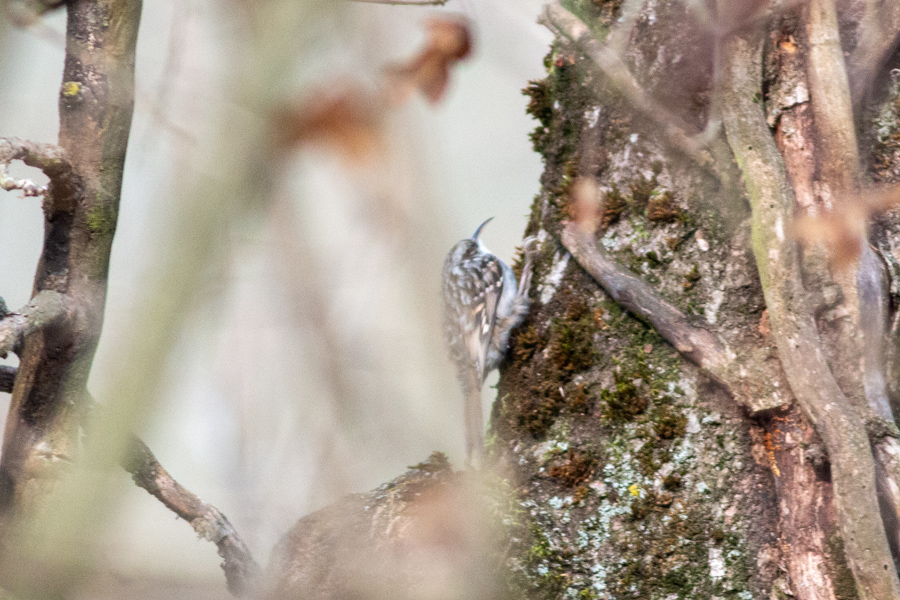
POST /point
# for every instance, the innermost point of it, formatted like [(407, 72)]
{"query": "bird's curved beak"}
[(480, 227)]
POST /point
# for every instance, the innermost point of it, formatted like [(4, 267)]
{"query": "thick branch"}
[(830, 91), (794, 329), (241, 571), (742, 379), (44, 309), (564, 24)]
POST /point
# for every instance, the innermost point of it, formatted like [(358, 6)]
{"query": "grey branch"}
[(28, 187), (745, 381), (49, 158), (405, 2), (241, 571), (564, 24), (23, 13), (794, 328), (45, 309)]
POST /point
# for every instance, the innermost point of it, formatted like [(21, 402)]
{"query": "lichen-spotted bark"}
[(96, 101), (638, 478)]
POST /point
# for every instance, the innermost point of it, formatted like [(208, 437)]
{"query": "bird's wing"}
[(486, 290)]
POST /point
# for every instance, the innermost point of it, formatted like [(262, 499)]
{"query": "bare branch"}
[(28, 187), (830, 91), (7, 378), (747, 382), (564, 24), (25, 12), (44, 309), (241, 571), (405, 2), (794, 328), (49, 158)]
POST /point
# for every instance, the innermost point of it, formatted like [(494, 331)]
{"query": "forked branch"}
[(794, 328)]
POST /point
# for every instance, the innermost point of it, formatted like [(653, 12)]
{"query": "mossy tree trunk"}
[(707, 131)]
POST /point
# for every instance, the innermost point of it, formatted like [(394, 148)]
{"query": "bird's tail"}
[(474, 420)]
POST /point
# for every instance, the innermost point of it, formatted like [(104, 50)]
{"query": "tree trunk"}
[(698, 406)]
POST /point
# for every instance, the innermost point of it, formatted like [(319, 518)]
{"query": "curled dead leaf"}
[(449, 41), (347, 120), (586, 208), (843, 230)]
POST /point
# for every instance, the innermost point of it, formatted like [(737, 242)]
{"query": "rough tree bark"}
[(699, 406)]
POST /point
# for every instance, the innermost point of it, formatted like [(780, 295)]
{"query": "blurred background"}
[(312, 365)]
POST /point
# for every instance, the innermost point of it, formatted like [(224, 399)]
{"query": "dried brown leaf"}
[(586, 208), (449, 41), (347, 120), (843, 230)]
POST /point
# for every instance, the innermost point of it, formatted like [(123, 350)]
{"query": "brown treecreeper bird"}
[(482, 304)]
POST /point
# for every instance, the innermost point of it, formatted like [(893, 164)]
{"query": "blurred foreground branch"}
[(241, 571), (405, 2)]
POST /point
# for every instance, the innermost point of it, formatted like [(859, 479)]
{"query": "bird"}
[(482, 304)]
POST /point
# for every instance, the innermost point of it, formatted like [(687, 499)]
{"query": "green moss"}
[(613, 207), (844, 583), (571, 343), (641, 190), (669, 426), (691, 278), (623, 403), (661, 207), (100, 222)]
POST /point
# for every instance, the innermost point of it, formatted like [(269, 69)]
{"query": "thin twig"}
[(28, 187), (565, 24), (49, 158), (405, 2), (749, 383), (794, 328), (44, 309), (241, 571)]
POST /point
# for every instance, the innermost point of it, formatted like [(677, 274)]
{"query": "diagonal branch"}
[(748, 382), (565, 24), (241, 571), (794, 328), (45, 309)]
